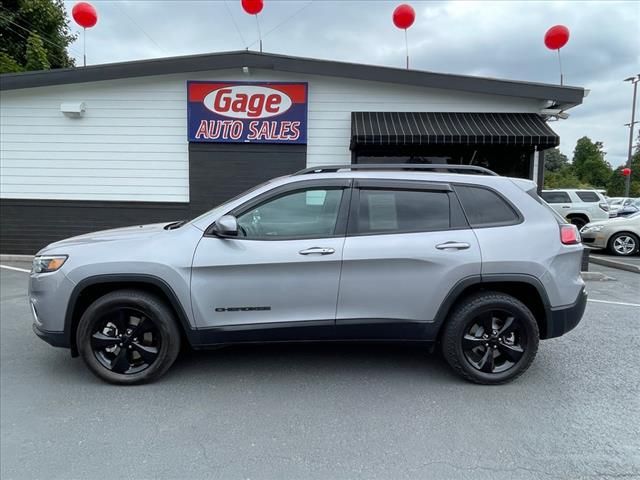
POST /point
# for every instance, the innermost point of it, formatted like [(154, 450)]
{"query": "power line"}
[(34, 30), (283, 22), (235, 24), (55, 55), (141, 29)]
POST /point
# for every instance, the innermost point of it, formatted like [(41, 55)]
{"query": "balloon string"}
[(406, 44), (560, 63), (84, 46), (259, 33)]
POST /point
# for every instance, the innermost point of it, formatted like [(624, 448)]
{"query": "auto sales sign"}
[(243, 112)]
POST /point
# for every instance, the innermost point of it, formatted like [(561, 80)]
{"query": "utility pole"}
[(627, 180)]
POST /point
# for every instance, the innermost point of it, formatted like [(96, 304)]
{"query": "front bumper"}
[(565, 319), (57, 339), (594, 240)]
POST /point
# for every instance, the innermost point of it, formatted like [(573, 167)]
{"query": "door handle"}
[(566, 206), (317, 251), (453, 245)]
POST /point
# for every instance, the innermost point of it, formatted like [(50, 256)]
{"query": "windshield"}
[(616, 201)]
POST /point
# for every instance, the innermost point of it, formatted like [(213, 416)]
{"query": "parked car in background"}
[(616, 204), (630, 208), (578, 206), (621, 235)]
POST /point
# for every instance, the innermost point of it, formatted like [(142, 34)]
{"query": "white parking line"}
[(615, 303), (15, 268)]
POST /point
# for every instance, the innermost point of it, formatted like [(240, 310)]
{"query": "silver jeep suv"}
[(454, 256)]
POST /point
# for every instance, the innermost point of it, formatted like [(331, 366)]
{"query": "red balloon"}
[(252, 7), (403, 16), (556, 37), (626, 172), (84, 14)]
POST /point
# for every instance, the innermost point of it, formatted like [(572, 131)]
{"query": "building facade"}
[(104, 146)]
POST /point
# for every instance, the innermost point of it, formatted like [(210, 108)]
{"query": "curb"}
[(15, 258), (614, 264), (597, 276)]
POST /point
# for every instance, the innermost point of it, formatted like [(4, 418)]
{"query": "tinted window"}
[(390, 211), (484, 207), (304, 213), (588, 196), (556, 197)]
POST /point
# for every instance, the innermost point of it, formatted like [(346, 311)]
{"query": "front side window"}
[(395, 211), (303, 213)]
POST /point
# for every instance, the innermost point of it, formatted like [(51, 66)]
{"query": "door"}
[(408, 245), (282, 270)]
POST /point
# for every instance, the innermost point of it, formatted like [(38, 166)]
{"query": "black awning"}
[(445, 128)]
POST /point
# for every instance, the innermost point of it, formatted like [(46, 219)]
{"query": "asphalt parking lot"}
[(326, 411)]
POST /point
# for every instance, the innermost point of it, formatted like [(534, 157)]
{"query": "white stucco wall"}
[(131, 143)]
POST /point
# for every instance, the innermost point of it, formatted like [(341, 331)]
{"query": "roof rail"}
[(400, 166)]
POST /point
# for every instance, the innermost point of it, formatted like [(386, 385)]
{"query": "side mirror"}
[(227, 226)]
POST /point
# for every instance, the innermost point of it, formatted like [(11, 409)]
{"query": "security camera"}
[(550, 111)]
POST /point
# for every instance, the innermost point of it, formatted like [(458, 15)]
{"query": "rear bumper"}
[(565, 319), (57, 339)]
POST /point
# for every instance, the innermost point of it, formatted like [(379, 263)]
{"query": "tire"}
[(128, 337), (624, 244), (473, 356), (578, 221)]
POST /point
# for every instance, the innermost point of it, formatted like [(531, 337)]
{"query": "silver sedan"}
[(621, 235)]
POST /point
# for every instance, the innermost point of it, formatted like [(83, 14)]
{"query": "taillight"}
[(569, 234), (604, 206)]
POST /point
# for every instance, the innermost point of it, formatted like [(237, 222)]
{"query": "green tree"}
[(554, 160), (615, 188), (36, 54), (20, 20), (589, 164)]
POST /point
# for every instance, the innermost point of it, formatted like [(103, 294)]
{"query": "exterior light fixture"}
[(72, 109)]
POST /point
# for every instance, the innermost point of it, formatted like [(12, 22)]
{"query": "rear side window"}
[(396, 211), (556, 197), (485, 208), (588, 196)]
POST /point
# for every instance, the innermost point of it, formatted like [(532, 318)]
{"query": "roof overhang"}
[(561, 96)]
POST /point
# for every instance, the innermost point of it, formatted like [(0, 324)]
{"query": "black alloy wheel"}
[(128, 337), (490, 338), (125, 341), (494, 341)]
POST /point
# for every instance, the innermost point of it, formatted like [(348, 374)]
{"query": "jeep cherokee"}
[(454, 256)]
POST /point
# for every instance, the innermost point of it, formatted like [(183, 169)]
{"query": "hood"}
[(124, 233)]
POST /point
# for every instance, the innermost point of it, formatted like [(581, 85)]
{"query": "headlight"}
[(48, 263), (594, 229)]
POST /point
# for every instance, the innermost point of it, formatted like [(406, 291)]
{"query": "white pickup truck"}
[(578, 206)]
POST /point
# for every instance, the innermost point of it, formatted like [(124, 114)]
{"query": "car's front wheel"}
[(624, 244), (490, 338), (128, 337)]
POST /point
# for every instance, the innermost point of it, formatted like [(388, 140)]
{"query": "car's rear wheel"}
[(490, 338), (624, 244), (578, 221), (128, 337)]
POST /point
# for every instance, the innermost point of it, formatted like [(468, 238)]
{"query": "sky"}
[(500, 39)]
